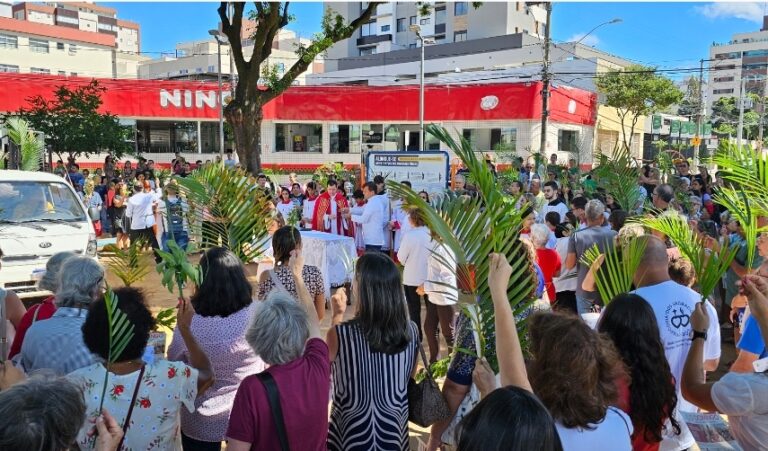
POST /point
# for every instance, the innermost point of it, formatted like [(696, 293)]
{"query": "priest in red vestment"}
[(331, 211)]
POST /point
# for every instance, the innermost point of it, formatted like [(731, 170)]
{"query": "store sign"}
[(656, 122), (488, 103), (188, 98), (427, 171), (674, 127)]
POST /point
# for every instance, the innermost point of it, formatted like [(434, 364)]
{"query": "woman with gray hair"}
[(286, 335), (548, 259), (45, 309), (57, 343)]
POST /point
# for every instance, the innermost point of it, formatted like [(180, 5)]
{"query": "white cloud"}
[(751, 11), (591, 40)]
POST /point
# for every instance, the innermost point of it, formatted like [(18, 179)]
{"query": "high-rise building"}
[(744, 56), (68, 38), (389, 28)]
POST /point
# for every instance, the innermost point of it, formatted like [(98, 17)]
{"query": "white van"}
[(40, 215)]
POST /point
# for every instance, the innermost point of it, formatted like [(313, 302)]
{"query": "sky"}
[(662, 34)]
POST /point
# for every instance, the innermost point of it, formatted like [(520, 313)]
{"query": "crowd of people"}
[(249, 365)]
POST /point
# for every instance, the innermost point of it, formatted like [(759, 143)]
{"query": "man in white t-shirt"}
[(372, 218), (673, 305)]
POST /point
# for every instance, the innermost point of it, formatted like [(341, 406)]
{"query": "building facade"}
[(444, 22), (313, 125), (744, 56)]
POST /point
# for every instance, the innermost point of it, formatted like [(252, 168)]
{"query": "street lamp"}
[(612, 21), (220, 39), (417, 29)]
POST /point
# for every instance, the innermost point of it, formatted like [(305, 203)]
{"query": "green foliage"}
[(618, 175), (31, 146), (120, 334), (72, 123), (473, 228), (166, 318), (126, 263), (689, 105), (236, 209), (176, 270), (336, 170), (616, 274), (637, 91), (741, 209), (747, 169), (709, 266)]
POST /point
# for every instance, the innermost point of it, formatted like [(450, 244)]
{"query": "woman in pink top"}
[(224, 307)]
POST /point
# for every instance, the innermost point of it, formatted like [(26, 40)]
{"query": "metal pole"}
[(231, 57), (221, 107), (699, 131), (421, 99), (545, 82), (741, 110)]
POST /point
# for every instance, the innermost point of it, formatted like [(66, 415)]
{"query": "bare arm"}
[(510, 354), (694, 384), (237, 445), (14, 308), (454, 394), (296, 264), (570, 261)]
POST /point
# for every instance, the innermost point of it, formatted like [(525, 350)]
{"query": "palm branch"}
[(30, 145), (239, 212), (176, 270), (126, 263), (617, 272), (120, 334), (617, 174), (747, 169), (473, 228)]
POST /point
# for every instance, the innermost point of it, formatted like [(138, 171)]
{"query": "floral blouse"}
[(165, 387)]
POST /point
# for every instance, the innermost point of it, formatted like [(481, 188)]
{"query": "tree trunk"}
[(246, 124)]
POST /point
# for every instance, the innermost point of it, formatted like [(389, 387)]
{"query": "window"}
[(281, 68), (38, 45), (401, 25), (299, 138), (723, 91), (19, 15), (63, 72), (385, 28), (424, 21), (368, 29), (183, 71), (345, 138), (485, 139), (440, 39), (753, 53), (459, 36), (59, 46), (368, 51), (412, 20), (72, 48), (728, 56), (460, 9), (373, 134), (723, 79), (69, 20), (211, 68), (412, 45), (8, 41), (37, 70), (726, 67), (74, 74), (440, 15), (568, 141), (9, 68)]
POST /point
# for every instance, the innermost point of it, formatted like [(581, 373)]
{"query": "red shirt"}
[(638, 437), (44, 310), (549, 262), (304, 387)]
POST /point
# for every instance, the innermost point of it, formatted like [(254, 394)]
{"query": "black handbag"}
[(426, 403)]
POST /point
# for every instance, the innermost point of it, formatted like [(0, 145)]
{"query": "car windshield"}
[(38, 202)]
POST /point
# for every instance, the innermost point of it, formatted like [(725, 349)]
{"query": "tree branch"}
[(232, 31)]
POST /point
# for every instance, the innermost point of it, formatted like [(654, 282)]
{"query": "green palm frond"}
[(126, 263), (30, 145), (236, 210), (176, 270), (617, 174), (121, 332), (740, 207), (617, 272), (747, 169), (472, 228)]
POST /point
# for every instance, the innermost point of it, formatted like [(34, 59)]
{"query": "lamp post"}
[(220, 39), (417, 29)]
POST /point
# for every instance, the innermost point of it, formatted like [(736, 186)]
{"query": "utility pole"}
[(545, 82), (700, 121)]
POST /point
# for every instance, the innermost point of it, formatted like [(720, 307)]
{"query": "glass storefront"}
[(299, 138), (173, 136)]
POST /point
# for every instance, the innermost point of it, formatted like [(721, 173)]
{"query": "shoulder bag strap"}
[(424, 361), (274, 405), (127, 421), (276, 281)]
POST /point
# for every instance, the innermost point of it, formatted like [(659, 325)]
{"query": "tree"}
[(636, 91), (245, 110), (725, 117), (72, 123), (689, 106)]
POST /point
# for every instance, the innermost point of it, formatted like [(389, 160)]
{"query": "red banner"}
[(156, 99)]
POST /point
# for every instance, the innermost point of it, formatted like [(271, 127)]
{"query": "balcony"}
[(373, 39)]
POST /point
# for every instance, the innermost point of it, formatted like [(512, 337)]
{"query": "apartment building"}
[(443, 22), (83, 16), (198, 60), (744, 56), (68, 39)]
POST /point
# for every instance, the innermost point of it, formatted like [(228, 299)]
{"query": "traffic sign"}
[(695, 141)]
